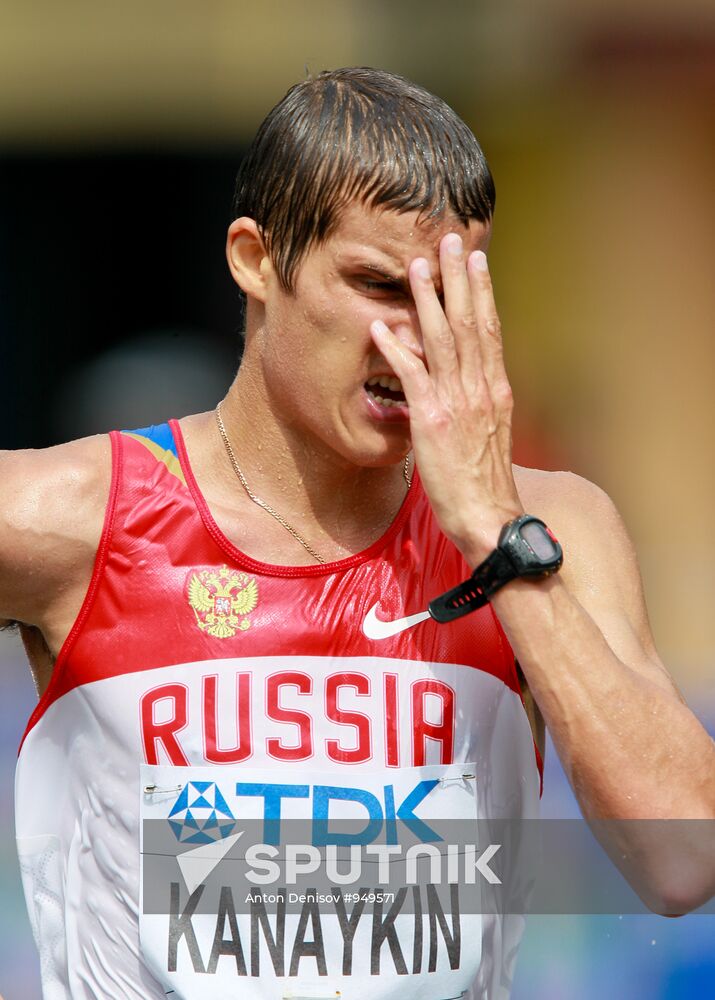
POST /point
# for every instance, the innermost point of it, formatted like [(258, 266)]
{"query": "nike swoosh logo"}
[(375, 629)]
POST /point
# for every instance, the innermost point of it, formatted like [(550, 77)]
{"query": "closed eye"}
[(379, 286), (389, 289), (382, 288)]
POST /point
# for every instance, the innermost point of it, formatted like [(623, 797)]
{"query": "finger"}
[(408, 367), (437, 337), (460, 310), (490, 339)]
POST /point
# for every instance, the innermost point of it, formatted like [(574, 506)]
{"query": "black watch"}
[(526, 548)]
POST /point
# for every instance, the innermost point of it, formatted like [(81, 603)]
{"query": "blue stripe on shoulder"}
[(160, 434)]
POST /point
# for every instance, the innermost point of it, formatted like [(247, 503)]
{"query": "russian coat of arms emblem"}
[(222, 599)]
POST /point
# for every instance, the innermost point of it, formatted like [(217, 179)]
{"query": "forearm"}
[(630, 747)]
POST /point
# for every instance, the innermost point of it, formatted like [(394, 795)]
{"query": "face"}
[(325, 378)]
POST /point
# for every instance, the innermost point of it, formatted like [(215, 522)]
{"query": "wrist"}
[(525, 549), (482, 537)]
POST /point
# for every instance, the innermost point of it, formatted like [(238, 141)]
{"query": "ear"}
[(247, 258)]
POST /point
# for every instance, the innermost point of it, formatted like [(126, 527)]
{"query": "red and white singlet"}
[(194, 675)]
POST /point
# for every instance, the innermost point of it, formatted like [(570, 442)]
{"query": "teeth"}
[(386, 381)]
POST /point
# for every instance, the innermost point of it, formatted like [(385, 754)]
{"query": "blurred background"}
[(121, 127)]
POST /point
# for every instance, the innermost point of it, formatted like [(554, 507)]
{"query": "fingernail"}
[(453, 244), (421, 268), (378, 327), (479, 260)]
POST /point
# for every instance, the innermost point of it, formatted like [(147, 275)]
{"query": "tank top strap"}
[(151, 446)]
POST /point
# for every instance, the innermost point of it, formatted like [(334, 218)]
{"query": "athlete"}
[(243, 614)]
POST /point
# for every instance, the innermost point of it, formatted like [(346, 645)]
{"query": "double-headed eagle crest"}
[(222, 599)]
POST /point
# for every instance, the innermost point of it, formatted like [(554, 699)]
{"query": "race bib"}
[(305, 885)]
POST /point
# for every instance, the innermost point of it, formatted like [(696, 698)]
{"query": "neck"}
[(335, 505)]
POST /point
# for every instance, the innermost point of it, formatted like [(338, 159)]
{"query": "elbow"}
[(685, 877), (674, 901), (680, 887), (677, 899), (670, 864)]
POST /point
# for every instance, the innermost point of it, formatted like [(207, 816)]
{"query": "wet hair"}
[(356, 134)]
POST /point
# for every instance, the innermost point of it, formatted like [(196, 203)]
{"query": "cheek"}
[(305, 319), (320, 339)]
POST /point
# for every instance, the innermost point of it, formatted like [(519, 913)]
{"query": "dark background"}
[(104, 250)]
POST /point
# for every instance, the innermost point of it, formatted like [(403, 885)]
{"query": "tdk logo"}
[(201, 814), (377, 812)]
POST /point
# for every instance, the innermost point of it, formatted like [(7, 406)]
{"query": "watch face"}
[(538, 541)]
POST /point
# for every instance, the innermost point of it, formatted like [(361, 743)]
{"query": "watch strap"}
[(496, 570), (474, 593)]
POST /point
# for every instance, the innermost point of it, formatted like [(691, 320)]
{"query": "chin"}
[(371, 447), (391, 453)]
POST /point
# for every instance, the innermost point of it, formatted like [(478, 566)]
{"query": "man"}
[(233, 622)]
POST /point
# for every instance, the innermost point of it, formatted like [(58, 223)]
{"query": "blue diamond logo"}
[(201, 814)]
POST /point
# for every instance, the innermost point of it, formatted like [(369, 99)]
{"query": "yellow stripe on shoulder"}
[(168, 458)]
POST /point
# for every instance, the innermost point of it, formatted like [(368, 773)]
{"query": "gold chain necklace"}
[(267, 507)]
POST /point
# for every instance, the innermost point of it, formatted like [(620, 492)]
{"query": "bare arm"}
[(628, 743), (52, 505)]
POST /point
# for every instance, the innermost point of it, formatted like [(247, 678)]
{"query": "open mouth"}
[(386, 390)]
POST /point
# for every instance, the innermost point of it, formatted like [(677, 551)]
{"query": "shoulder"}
[(600, 563), (37, 483), (581, 514), (563, 493), (84, 456), (52, 504)]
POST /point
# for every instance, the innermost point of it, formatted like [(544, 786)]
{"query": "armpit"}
[(533, 712), (39, 656)]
